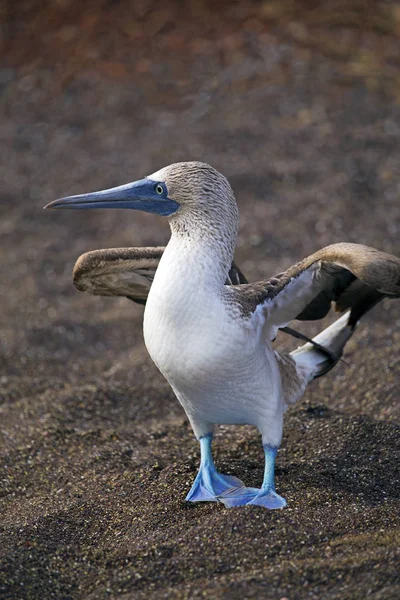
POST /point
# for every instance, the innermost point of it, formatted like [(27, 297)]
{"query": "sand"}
[(300, 110)]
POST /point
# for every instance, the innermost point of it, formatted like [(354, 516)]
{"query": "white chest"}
[(219, 366), (186, 327)]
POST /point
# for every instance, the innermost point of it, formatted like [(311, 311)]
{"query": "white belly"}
[(219, 367), (221, 371)]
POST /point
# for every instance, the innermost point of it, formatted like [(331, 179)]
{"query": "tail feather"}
[(314, 361)]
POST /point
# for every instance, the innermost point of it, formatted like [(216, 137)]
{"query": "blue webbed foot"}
[(245, 496), (269, 499), (238, 496), (266, 496), (209, 485)]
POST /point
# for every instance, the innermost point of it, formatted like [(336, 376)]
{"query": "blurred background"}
[(296, 102)]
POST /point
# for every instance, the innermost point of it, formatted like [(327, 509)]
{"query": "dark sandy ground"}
[(298, 104)]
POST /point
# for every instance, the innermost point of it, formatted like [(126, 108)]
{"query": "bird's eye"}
[(159, 189)]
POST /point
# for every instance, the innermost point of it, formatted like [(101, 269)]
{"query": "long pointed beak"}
[(139, 195)]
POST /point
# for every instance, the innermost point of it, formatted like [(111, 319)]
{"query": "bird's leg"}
[(267, 495), (209, 484)]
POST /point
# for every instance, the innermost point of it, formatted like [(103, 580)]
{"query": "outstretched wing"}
[(126, 272), (350, 275), (117, 272)]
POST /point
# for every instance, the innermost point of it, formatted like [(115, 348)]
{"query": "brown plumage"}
[(126, 272), (352, 276)]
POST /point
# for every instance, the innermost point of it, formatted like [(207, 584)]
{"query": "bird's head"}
[(177, 189)]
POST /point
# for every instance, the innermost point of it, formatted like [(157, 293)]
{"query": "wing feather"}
[(349, 275), (126, 272), (117, 272)]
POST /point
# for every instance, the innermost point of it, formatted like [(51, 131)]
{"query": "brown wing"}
[(126, 272), (350, 275), (117, 272)]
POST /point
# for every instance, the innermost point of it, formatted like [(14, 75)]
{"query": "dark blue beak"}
[(146, 195)]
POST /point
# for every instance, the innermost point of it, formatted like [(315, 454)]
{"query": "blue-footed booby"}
[(210, 332)]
